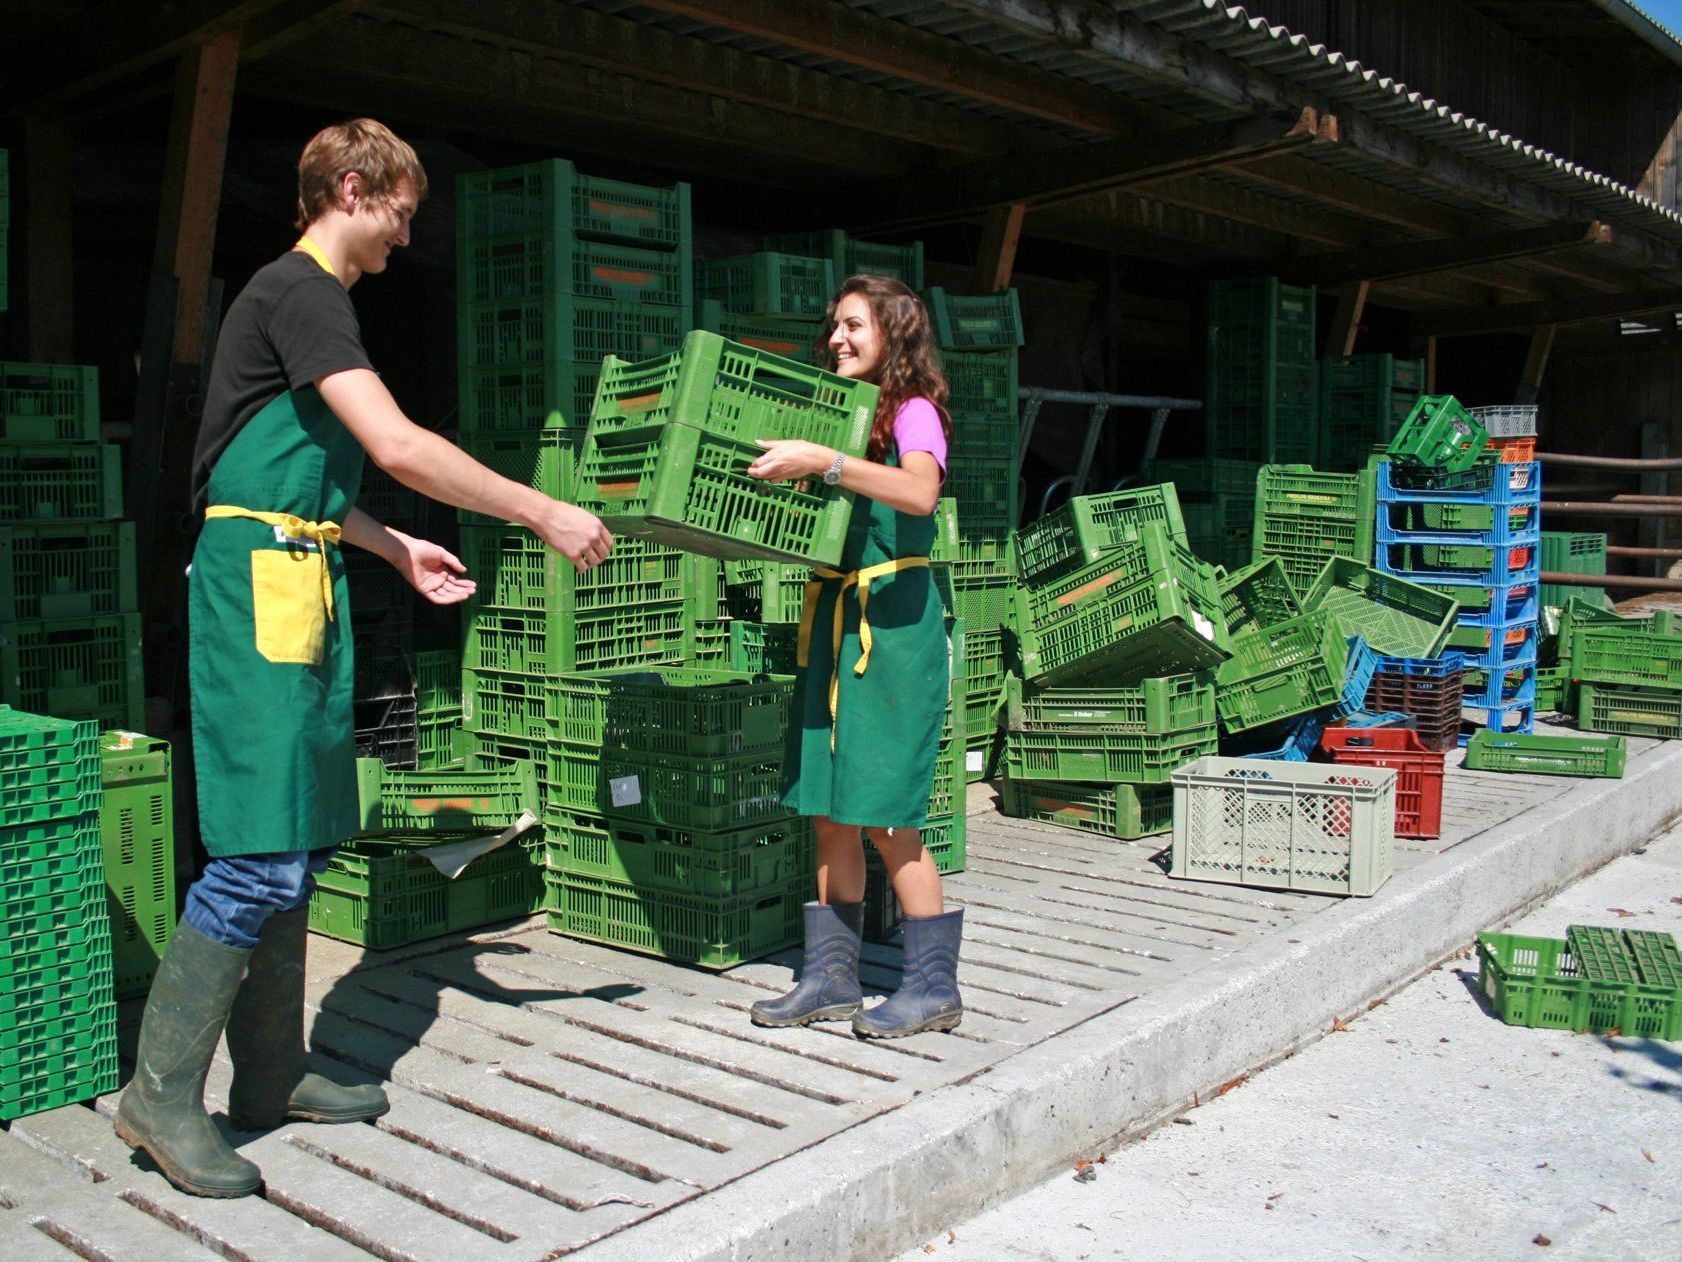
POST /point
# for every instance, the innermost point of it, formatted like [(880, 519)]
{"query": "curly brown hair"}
[(910, 363)]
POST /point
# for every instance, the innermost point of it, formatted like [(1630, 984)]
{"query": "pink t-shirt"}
[(917, 428)]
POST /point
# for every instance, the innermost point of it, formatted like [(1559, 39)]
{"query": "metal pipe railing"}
[(1099, 405), (1631, 582)]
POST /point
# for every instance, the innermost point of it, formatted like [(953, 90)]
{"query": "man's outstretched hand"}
[(433, 572)]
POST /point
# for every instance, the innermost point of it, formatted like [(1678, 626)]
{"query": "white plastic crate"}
[(1507, 420), (1284, 825)]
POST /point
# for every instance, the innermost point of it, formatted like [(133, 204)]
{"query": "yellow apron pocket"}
[(287, 606)]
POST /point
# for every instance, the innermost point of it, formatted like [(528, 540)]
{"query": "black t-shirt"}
[(291, 326)]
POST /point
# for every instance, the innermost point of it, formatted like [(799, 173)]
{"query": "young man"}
[(293, 408)]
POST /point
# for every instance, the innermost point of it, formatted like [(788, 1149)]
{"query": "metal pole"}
[(1669, 464), (1630, 582), (1593, 508), (1660, 554)]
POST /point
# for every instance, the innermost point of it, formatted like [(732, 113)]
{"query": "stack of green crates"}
[(980, 339), (663, 820), (1627, 672), (1099, 759), (438, 730), (1261, 373), (792, 337), (58, 1026), (770, 285), (1364, 399), (137, 830), (556, 271), (1217, 500), (380, 891), (69, 620), (1573, 552), (1306, 517)]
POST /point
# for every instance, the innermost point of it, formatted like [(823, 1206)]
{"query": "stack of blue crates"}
[(1475, 536)]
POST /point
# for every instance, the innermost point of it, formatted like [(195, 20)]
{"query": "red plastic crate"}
[(1419, 771)]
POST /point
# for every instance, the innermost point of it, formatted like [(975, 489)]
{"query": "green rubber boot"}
[(266, 1041), (162, 1111)]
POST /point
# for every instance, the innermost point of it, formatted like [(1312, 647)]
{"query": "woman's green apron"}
[(269, 636), (874, 766)]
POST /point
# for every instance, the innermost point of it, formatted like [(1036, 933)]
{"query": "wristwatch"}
[(832, 475)]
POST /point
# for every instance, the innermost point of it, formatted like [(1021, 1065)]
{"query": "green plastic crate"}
[(710, 794), (1148, 608), (688, 862), (1602, 953), (1284, 825), (412, 802), (543, 459), (980, 322), (983, 388), (1257, 596), (714, 933), (382, 896), (69, 1077), (1103, 757), (67, 570), (1261, 374), (536, 642), (1537, 982), (137, 829), (78, 668), (1439, 434), (758, 647), (49, 403), (766, 591), (1281, 671), (1082, 530), (1126, 811), (1301, 491), (438, 681), (1546, 755), (851, 257), (1170, 703), (1572, 552), (1656, 956), (1554, 689), (1396, 617), (491, 269), (55, 481), (1630, 711), (685, 711), (783, 336), (687, 487), (516, 570), (1626, 654), (551, 197), (768, 283)]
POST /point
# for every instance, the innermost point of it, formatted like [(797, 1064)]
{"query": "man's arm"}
[(437, 468), (425, 566)]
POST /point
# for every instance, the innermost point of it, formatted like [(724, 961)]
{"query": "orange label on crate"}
[(618, 210), (1067, 809), (619, 276), (1086, 589), (786, 349), (618, 490), (638, 403), (431, 806)]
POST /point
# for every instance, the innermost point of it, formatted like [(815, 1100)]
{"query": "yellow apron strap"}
[(321, 532), (317, 253), (808, 614)]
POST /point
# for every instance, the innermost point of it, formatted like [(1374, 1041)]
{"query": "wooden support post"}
[(52, 312), (1000, 233), (1430, 365), (1535, 364), (1346, 321), (192, 191)]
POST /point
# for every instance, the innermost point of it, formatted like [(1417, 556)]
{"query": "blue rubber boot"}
[(829, 977), (927, 998)]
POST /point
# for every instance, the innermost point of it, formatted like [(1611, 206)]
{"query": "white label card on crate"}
[(975, 760), (625, 790)]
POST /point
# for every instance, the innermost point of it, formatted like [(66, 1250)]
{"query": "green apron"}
[(270, 659), (875, 766)]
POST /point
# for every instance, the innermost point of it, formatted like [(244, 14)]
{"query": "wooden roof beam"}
[(1074, 171), (590, 38), (1417, 258), (83, 56), (1453, 322), (904, 51)]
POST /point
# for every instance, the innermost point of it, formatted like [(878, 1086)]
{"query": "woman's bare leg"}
[(840, 861), (911, 869)]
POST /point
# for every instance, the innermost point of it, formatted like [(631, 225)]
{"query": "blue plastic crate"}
[(1361, 666), (1389, 718), (1439, 667), (1291, 741), (1501, 689), (1503, 650), (1508, 485), (1509, 605), (1519, 716), (1502, 532), (1505, 567)]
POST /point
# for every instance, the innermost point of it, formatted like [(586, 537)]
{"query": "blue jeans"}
[(234, 897)]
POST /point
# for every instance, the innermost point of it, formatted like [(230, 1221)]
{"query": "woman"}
[(867, 716)]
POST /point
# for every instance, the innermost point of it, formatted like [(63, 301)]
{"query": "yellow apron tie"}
[(808, 614), (322, 532), (317, 253)]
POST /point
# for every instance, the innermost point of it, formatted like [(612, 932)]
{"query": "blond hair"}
[(361, 145)]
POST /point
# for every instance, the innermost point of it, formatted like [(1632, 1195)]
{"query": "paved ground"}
[(1427, 1129), (550, 1095)]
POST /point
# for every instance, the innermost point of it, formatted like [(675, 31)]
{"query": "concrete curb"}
[(904, 1176)]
